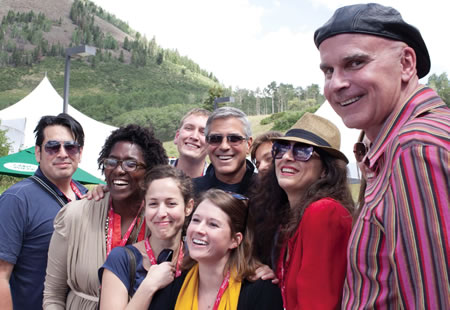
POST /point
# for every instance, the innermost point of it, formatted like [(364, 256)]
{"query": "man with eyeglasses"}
[(398, 253), (228, 135), (29, 207)]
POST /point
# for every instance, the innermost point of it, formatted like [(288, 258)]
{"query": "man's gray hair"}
[(227, 112)]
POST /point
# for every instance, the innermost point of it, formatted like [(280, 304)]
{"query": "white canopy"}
[(348, 137), (21, 118)]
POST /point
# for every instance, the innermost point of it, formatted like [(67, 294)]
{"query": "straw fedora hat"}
[(316, 131)]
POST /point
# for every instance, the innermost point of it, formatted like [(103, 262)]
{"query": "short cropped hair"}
[(228, 112), (261, 139), (195, 111), (61, 119), (152, 149)]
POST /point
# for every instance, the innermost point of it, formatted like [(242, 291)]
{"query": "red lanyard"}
[(151, 256), (75, 189), (222, 290), (109, 239)]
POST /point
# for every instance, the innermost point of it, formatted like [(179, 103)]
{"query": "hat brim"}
[(332, 151)]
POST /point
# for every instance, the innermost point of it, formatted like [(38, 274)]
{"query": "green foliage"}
[(213, 93), (4, 143), (164, 120), (442, 86), (285, 120), (272, 118)]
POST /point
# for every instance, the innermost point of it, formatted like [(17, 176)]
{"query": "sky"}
[(250, 43)]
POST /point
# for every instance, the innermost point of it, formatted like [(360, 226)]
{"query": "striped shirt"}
[(398, 253)]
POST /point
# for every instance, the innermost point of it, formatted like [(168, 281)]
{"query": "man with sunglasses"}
[(228, 135), (29, 207), (399, 248)]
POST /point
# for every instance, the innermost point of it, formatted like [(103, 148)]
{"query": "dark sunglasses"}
[(300, 151), (52, 147), (217, 139), (127, 165), (360, 150)]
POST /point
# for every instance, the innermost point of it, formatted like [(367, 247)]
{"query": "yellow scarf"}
[(188, 296)]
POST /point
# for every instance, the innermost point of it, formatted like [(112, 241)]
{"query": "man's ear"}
[(249, 144), (175, 140), (81, 153), (189, 207), (408, 62), (37, 153)]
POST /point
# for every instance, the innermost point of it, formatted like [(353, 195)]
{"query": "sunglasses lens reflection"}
[(301, 152), (71, 147)]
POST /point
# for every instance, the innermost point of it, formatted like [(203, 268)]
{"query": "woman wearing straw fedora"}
[(304, 214)]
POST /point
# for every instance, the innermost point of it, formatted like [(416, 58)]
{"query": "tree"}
[(213, 93), (441, 85), (4, 143), (271, 90)]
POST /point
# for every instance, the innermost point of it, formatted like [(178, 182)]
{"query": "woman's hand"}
[(264, 272), (160, 275), (97, 193)]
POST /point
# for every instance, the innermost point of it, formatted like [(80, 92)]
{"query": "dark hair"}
[(241, 258), (152, 149), (61, 119), (270, 207), (261, 139), (166, 171)]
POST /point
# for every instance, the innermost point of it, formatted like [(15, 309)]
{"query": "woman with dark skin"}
[(303, 216), (86, 230)]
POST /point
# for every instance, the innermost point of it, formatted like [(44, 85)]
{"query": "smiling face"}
[(190, 138), (209, 236), (229, 160), (263, 157), (294, 176), (165, 210), (363, 78), (60, 166), (125, 184)]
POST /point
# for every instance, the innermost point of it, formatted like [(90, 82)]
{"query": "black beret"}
[(378, 20)]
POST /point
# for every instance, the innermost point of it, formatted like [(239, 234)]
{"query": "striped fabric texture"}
[(398, 253)]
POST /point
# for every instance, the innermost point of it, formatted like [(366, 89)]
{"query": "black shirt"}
[(259, 295), (209, 180)]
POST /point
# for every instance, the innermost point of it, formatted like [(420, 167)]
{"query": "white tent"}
[(348, 136), (21, 118)]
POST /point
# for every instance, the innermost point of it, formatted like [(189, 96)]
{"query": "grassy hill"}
[(131, 79)]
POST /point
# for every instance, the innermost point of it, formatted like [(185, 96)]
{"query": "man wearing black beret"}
[(398, 254)]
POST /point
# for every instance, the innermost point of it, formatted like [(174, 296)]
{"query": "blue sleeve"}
[(13, 221), (117, 262)]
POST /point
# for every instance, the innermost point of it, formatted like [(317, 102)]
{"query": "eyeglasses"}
[(127, 165), (300, 151), (360, 150), (52, 147), (217, 139)]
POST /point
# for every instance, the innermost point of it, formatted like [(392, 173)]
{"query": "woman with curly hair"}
[(303, 217), (87, 230)]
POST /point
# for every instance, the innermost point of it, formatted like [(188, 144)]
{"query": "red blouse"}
[(315, 271)]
